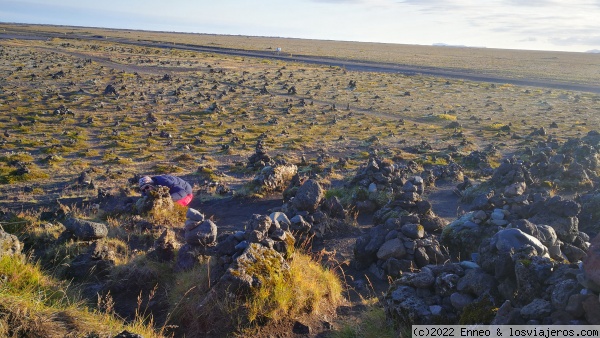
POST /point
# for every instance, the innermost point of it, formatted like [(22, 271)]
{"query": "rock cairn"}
[(403, 237), (274, 178), (518, 204), (95, 262), (157, 199), (376, 178), (380, 177), (260, 158), (515, 283), (200, 236), (405, 227), (523, 257), (202, 240), (273, 175), (311, 215)]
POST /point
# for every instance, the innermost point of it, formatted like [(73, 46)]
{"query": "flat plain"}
[(182, 88)]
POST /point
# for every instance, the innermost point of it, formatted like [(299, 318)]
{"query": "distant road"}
[(360, 66)]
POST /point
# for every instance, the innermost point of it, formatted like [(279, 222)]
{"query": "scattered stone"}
[(591, 263), (309, 196), (205, 234), (300, 328), (9, 244), (194, 215), (538, 309), (85, 230), (393, 248), (127, 334), (166, 246)]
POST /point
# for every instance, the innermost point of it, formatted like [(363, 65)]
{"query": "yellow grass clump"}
[(35, 305), (447, 117)]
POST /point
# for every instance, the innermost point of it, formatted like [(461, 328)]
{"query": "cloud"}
[(577, 40), (529, 39), (434, 5), (530, 3), (341, 2), (356, 2), (362, 4)]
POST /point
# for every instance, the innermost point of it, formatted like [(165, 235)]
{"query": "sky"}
[(558, 25)]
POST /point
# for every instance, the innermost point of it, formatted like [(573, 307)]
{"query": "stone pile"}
[(480, 160), (200, 236), (260, 158), (524, 258), (515, 274), (309, 213), (514, 287), (451, 172), (274, 178), (165, 247), (551, 220), (156, 199), (96, 262), (403, 237), (263, 230), (380, 177), (272, 175), (98, 259), (62, 110), (377, 178), (571, 165), (110, 89), (202, 240)]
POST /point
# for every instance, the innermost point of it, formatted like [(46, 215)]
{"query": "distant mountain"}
[(595, 51)]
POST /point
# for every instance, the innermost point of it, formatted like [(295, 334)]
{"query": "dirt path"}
[(446, 204), (230, 213)]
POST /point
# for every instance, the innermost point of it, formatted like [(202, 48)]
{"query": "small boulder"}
[(392, 248), (309, 196), (591, 263), (460, 300), (204, 234), (282, 219), (515, 239), (299, 224), (194, 215), (85, 230), (166, 246), (413, 231), (537, 309), (9, 244)]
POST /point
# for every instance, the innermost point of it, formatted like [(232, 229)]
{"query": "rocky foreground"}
[(518, 256)]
